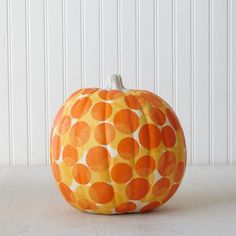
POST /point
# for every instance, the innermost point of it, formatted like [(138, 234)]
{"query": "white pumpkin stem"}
[(115, 82)]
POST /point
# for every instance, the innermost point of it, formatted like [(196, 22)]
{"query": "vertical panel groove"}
[(9, 71), (82, 27), (192, 57), (154, 41), (101, 59), (156, 47), (28, 84), (64, 50), (119, 36), (229, 82), (174, 55), (211, 139), (46, 81), (137, 40)]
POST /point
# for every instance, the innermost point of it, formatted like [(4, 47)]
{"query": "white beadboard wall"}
[(183, 50)]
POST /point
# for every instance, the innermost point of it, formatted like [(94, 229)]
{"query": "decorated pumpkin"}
[(117, 150)]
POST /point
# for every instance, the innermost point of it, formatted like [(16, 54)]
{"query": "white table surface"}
[(31, 205)]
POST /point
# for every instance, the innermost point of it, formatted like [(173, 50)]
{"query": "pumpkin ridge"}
[(141, 110), (149, 150), (134, 161)]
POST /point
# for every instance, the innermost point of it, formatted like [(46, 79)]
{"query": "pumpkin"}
[(115, 150)]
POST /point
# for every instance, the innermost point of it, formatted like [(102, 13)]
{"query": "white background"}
[(183, 50)]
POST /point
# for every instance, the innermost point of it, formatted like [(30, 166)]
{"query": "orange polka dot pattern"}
[(115, 152)]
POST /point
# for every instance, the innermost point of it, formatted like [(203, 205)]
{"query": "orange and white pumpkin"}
[(116, 150)]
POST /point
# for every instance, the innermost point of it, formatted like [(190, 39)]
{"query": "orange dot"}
[(81, 174), (168, 136), (79, 133), (70, 155), (173, 119), (137, 189), (171, 193), (56, 147), (145, 166), (179, 171), (101, 111), (150, 136), (89, 90), (161, 187), (109, 94), (56, 171), (128, 148), (97, 159), (64, 125), (157, 116), (81, 107), (104, 133), (126, 121), (51, 160), (134, 102), (86, 204), (151, 98), (101, 192), (67, 193), (126, 207), (167, 163), (121, 173), (150, 206), (58, 116)]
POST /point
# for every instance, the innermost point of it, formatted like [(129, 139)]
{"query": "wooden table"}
[(31, 205)]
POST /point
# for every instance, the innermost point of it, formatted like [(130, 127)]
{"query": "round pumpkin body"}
[(116, 151)]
